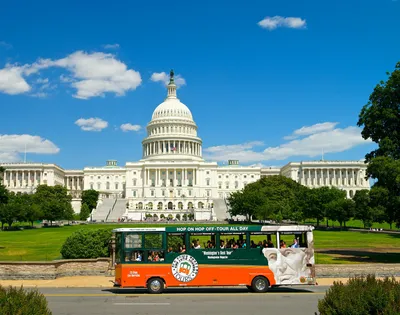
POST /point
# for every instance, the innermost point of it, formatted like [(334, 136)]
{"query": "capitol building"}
[(172, 177)]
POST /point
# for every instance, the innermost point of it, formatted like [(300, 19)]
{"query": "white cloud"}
[(5, 45), (92, 124), (42, 81), (12, 81), (93, 75), (39, 95), (311, 145), (272, 23), (111, 46), (309, 130), (130, 127), (11, 146), (66, 79), (164, 78)]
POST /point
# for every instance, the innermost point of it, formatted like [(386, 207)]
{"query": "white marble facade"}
[(172, 175)]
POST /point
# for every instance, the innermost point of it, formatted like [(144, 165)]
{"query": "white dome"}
[(172, 108)]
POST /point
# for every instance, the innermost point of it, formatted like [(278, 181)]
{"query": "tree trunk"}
[(317, 222), (390, 225)]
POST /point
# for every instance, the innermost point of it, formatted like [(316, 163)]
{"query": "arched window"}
[(190, 205), (150, 206), (180, 205), (140, 206), (160, 206), (200, 205)]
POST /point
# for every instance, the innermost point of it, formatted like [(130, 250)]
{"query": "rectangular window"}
[(290, 239), (176, 243), (134, 256), (202, 241), (133, 240), (208, 193), (190, 192), (233, 241), (152, 193), (208, 182), (91, 186), (219, 185), (134, 193), (153, 240), (260, 240), (163, 192), (116, 186)]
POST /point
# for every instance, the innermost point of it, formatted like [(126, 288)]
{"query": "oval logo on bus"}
[(185, 268)]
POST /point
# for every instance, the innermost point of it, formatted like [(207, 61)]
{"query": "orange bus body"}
[(137, 276)]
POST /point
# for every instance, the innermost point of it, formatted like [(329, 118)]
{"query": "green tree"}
[(362, 207), (341, 210), (54, 202), (274, 197), (12, 211), (85, 212), (3, 190), (90, 198), (319, 200), (380, 119)]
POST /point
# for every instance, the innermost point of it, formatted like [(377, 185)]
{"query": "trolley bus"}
[(258, 257)]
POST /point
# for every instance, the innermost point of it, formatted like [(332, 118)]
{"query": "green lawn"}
[(331, 246), (354, 224)]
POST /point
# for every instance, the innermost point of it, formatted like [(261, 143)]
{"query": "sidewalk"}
[(104, 282)]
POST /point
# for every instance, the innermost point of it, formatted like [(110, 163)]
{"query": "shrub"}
[(17, 301), (362, 295), (87, 244)]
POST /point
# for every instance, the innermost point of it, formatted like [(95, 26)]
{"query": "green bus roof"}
[(222, 228)]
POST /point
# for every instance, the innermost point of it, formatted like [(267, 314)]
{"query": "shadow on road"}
[(208, 290)]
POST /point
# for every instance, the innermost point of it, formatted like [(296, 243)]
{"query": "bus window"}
[(153, 240), (176, 243), (155, 256), (134, 256), (202, 240), (233, 241), (133, 240), (262, 240), (292, 240)]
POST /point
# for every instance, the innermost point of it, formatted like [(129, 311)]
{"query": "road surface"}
[(88, 301)]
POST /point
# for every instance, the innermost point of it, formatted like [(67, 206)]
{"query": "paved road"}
[(88, 301)]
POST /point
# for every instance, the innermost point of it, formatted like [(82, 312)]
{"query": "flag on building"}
[(173, 149)]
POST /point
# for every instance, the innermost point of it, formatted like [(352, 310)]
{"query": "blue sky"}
[(267, 81)]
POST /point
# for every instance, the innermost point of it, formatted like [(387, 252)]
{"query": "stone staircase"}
[(221, 209), (117, 211), (103, 209)]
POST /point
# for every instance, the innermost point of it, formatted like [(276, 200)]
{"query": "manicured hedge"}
[(87, 244), (362, 295), (18, 301)]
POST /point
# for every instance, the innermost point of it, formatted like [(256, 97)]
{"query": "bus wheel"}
[(260, 284), (155, 285)]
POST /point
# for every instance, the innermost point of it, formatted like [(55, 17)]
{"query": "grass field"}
[(331, 246), (353, 224)]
